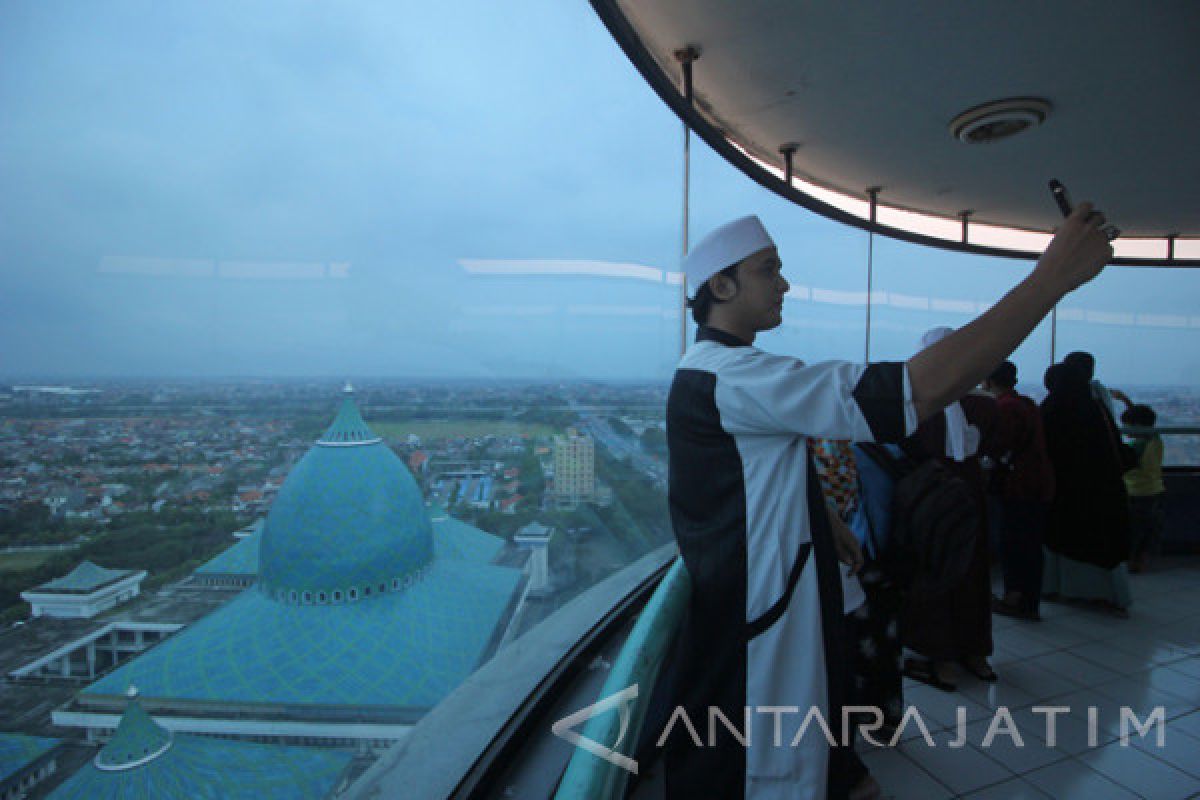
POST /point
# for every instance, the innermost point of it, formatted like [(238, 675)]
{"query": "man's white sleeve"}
[(761, 393)]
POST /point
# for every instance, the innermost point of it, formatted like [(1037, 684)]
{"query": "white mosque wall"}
[(84, 606)]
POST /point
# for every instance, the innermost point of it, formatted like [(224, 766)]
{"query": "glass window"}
[(825, 262), (917, 288), (1142, 326)]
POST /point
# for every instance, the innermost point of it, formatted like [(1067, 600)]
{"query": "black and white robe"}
[(765, 621)]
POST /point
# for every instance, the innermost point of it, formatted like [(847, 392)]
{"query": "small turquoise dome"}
[(349, 522), (137, 740)]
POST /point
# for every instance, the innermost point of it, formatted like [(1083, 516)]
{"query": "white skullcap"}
[(724, 247), (962, 438), (935, 335)]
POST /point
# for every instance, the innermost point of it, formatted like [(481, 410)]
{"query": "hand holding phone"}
[(1063, 200), (1076, 254)]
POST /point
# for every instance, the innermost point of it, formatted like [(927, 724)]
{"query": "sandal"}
[(983, 672), (924, 672)]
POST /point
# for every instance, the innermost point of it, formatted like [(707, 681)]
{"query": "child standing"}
[(1144, 484)]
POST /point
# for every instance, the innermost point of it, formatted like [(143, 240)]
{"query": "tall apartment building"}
[(574, 469)]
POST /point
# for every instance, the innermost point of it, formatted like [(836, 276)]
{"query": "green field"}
[(442, 429), (16, 562)]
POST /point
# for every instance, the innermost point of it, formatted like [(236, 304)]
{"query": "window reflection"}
[(203, 236)]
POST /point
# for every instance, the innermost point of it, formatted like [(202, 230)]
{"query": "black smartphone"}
[(1061, 197), (1063, 200)]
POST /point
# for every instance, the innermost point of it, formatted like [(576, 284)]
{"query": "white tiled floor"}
[(1075, 658)]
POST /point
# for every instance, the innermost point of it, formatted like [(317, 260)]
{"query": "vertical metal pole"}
[(873, 193), (870, 281), (965, 216), (683, 289), (788, 151), (685, 57)]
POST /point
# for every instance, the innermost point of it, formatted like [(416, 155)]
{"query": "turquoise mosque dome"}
[(349, 523), (137, 740)]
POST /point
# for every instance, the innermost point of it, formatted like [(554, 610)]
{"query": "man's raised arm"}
[(947, 370)]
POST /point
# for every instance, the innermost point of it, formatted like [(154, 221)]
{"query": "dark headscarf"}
[(1089, 517), (1085, 363), (1066, 383)]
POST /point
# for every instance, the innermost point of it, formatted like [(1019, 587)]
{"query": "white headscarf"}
[(962, 439)]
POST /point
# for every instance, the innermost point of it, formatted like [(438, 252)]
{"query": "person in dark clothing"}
[(955, 626), (1087, 534), (1085, 362), (1022, 485)]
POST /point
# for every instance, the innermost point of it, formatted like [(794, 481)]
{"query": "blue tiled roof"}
[(404, 649), (137, 740), (200, 767), (349, 515), (83, 578), (453, 538), (17, 750), (240, 559), (253, 529), (348, 426)]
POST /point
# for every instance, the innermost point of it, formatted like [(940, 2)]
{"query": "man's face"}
[(760, 290)]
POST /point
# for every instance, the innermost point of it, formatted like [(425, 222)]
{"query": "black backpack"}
[(934, 525)]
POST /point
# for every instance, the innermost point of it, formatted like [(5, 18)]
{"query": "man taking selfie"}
[(763, 642)]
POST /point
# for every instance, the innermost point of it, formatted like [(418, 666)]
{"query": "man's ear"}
[(722, 287)]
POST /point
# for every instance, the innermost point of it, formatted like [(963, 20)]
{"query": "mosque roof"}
[(84, 578), (453, 538), (240, 559), (404, 649), (362, 599), (17, 750), (348, 428), (251, 529), (144, 760), (534, 530), (197, 767), (349, 516), (137, 740)]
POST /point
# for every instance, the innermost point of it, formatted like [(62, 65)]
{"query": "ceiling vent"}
[(999, 119)]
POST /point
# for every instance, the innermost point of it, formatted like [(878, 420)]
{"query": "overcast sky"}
[(429, 189)]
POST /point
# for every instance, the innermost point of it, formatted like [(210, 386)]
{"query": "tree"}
[(532, 482)]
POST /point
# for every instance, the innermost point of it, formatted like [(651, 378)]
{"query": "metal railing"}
[(590, 776)]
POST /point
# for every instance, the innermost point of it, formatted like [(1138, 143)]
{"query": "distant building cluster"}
[(90, 470)]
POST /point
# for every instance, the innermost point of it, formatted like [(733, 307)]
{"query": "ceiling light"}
[(999, 119)]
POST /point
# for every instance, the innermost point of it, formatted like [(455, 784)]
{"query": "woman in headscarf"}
[(1087, 536), (954, 626)]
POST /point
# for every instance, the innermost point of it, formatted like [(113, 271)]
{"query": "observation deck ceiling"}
[(867, 93)]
